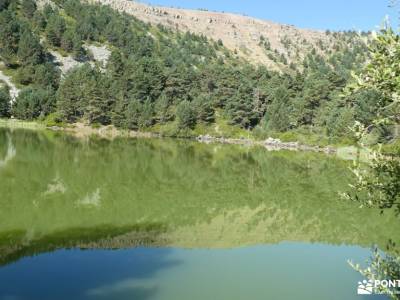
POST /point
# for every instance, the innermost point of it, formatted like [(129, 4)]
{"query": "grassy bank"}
[(219, 132), (221, 129), (15, 124)]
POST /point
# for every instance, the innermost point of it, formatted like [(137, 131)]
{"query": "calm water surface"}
[(161, 219)]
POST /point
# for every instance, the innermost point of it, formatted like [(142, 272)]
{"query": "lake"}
[(171, 219)]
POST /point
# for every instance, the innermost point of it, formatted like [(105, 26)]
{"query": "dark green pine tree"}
[(78, 52), (9, 36), (28, 8), (316, 92), (204, 108), (277, 116), (39, 21), (132, 114), (67, 40), (146, 118), (186, 115), (98, 109), (47, 75), (147, 79), (33, 103), (71, 96), (115, 64), (55, 29), (240, 106), (5, 100), (4, 4), (30, 51), (178, 83), (118, 114), (163, 109)]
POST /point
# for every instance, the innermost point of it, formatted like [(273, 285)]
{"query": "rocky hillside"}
[(124, 64), (259, 41)]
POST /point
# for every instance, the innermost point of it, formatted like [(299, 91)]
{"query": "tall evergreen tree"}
[(5, 100), (71, 95), (240, 106), (115, 64), (186, 114), (277, 117), (78, 52), (9, 36), (132, 114), (204, 108), (146, 114), (98, 107), (33, 103), (28, 8), (67, 40), (118, 113), (55, 29), (4, 4), (30, 51), (163, 109)]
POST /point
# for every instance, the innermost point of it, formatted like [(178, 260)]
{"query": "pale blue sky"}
[(317, 14)]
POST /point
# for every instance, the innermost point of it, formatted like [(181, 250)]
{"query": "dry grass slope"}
[(241, 33)]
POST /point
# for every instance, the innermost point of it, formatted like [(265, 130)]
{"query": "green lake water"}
[(175, 220)]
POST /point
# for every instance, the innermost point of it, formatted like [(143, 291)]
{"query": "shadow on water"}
[(92, 268), (94, 196), (90, 274), (15, 245)]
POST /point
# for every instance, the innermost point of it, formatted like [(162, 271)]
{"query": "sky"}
[(314, 14)]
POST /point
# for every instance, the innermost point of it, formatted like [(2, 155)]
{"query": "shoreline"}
[(270, 144), (82, 130)]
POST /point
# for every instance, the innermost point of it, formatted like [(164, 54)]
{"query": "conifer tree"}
[(204, 108), (186, 115), (277, 117), (5, 100), (55, 29), (28, 8), (30, 51), (9, 36)]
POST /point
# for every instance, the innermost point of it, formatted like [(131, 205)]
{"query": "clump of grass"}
[(12, 123), (53, 120)]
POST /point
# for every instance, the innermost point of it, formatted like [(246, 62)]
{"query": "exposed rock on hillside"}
[(65, 63), (100, 55), (257, 40), (14, 91)]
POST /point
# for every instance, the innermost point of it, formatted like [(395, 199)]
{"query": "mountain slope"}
[(259, 41), (80, 62)]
